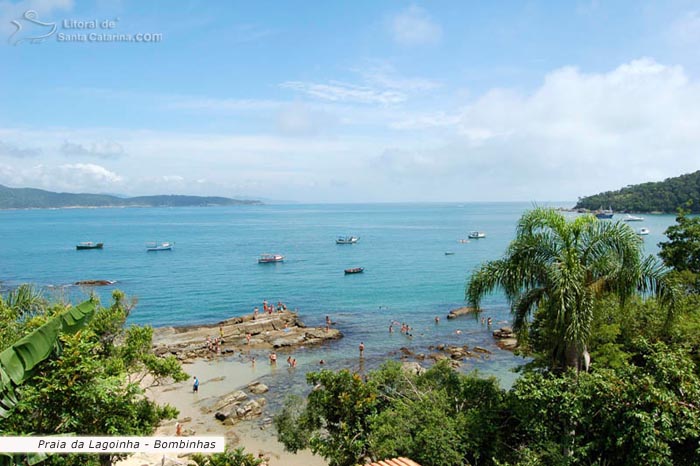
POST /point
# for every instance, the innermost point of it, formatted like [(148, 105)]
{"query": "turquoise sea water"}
[(213, 274)]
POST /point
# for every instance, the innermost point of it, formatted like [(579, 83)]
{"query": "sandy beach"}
[(217, 379), (222, 375)]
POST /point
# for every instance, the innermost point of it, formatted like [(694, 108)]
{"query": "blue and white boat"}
[(166, 246), (347, 239), (604, 213)]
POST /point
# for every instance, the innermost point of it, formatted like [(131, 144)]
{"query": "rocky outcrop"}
[(237, 406), (462, 311), (257, 388), (94, 282), (266, 331), (245, 411), (506, 338)]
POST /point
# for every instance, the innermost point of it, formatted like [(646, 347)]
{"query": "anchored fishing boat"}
[(270, 258)]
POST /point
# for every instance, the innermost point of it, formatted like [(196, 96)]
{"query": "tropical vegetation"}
[(575, 287), (663, 196), (77, 370), (556, 269)]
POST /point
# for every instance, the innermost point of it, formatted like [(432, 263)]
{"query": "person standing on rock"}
[(195, 387), (362, 349)]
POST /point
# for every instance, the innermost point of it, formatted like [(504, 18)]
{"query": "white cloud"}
[(11, 150), (104, 149), (91, 173), (67, 177), (577, 134), (342, 92), (413, 26), (426, 121), (385, 75)]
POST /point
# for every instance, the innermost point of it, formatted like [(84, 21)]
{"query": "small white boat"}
[(463, 241), (270, 258), (643, 231), (477, 234), (347, 239), (632, 218), (166, 246)]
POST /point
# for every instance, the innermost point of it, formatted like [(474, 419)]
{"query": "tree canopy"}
[(664, 196), (85, 379), (556, 269)]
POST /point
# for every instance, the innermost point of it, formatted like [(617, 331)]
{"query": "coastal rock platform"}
[(280, 329), (462, 311)]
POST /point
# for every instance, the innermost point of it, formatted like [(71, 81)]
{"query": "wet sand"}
[(218, 378)]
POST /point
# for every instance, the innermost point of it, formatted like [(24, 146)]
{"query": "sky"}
[(349, 101)]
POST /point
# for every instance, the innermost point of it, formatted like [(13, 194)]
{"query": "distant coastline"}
[(31, 198), (654, 197)]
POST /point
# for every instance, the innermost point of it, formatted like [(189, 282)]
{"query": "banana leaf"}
[(17, 361)]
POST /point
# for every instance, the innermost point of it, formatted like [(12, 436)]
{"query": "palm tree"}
[(559, 268)]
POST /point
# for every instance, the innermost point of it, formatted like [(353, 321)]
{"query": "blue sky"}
[(351, 101)]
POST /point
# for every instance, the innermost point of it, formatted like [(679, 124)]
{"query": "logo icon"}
[(30, 29)]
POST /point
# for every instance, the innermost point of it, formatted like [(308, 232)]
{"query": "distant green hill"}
[(29, 198), (662, 196)]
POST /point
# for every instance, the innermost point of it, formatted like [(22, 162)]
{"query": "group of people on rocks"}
[(214, 345), (270, 308)]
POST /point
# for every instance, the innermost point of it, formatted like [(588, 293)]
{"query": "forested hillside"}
[(662, 196), (29, 198)]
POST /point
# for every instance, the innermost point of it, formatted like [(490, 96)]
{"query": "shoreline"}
[(224, 378), (219, 379), (266, 331)]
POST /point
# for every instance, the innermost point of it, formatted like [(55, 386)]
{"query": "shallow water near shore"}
[(213, 274)]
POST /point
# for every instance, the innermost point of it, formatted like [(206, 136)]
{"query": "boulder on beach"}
[(257, 388), (233, 398)]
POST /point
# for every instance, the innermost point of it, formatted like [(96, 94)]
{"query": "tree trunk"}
[(573, 357)]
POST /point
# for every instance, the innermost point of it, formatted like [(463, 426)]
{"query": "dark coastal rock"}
[(220, 416), (462, 311), (94, 282), (503, 332), (479, 349)]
